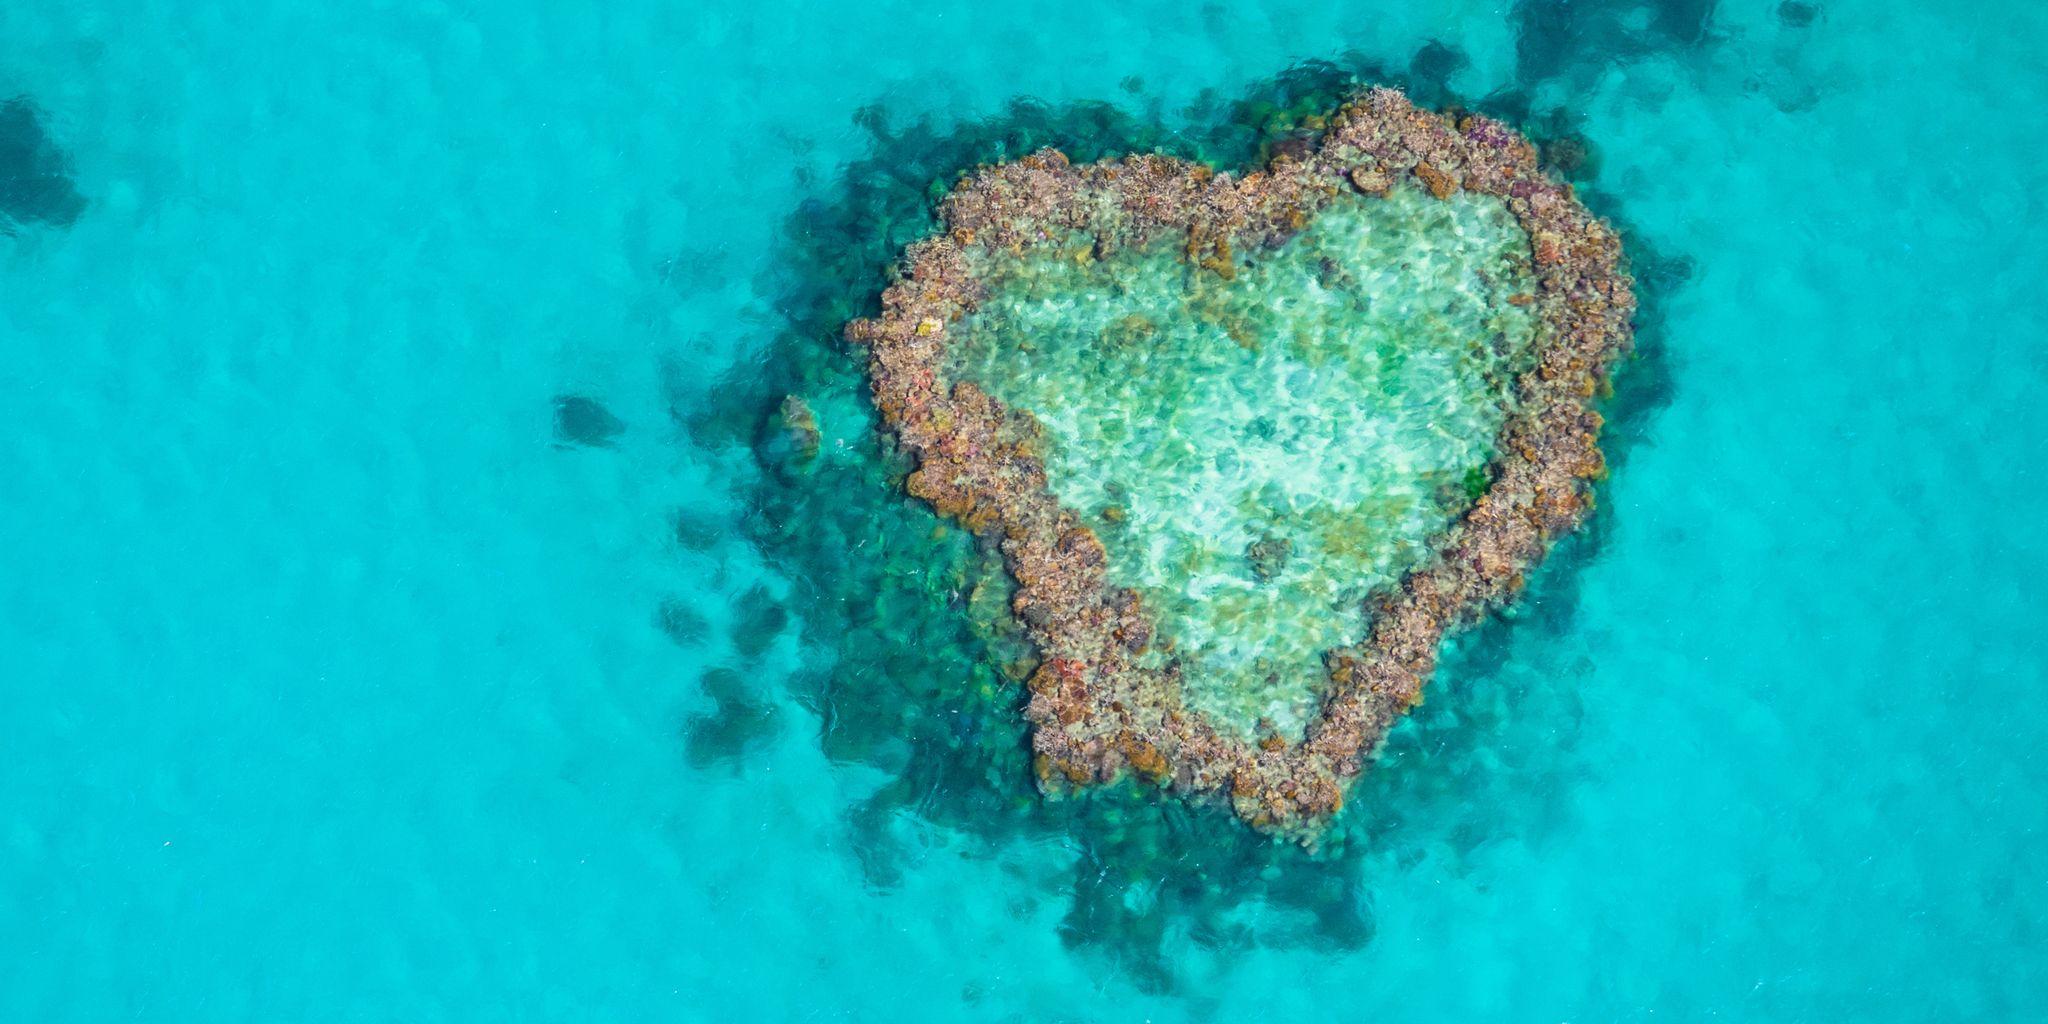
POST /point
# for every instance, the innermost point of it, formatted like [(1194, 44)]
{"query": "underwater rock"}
[(35, 177), (1012, 359), (585, 421), (1267, 556), (801, 424)]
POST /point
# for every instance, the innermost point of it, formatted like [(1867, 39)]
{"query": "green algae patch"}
[(1261, 450), (1251, 445)]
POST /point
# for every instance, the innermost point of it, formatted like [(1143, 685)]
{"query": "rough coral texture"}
[(1095, 711)]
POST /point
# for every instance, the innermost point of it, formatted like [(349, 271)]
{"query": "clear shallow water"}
[(339, 688)]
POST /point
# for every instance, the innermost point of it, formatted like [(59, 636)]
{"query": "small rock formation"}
[(801, 424)]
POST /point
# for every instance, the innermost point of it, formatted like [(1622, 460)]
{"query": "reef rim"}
[(1095, 711)]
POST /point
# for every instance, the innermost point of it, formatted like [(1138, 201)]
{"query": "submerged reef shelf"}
[(1269, 685)]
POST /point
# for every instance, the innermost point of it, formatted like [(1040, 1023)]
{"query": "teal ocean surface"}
[(405, 615)]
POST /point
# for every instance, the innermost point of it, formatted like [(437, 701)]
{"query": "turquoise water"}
[(351, 676)]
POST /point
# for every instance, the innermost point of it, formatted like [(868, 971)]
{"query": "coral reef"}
[(1100, 706)]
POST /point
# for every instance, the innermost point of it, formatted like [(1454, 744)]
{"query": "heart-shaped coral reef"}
[(1252, 444)]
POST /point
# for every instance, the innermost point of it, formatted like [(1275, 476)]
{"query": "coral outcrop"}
[(1102, 703)]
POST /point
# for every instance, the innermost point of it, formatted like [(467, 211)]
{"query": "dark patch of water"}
[(35, 176), (698, 529), (683, 623), (1575, 40), (758, 618), (744, 721), (1794, 14), (585, 421)]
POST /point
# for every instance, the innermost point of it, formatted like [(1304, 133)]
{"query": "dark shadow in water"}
[(699, 529), (758, 618), (1793, 14), (682, 623), (902, 679), (743, 721), (35, 176), (1575, 40), (585, 421)]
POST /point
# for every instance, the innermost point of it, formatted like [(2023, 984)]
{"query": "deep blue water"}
[(396, 622)]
